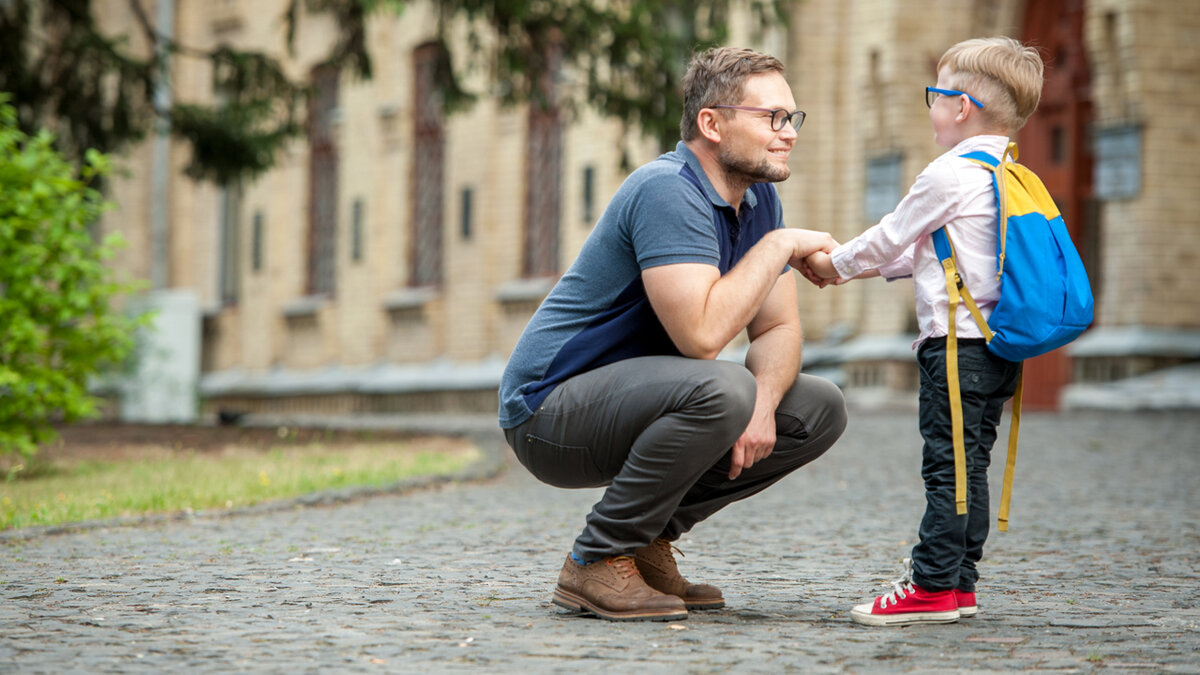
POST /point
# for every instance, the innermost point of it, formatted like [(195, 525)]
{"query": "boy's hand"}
[(822, 264), (818, 268)]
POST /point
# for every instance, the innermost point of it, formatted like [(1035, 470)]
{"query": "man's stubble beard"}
[(741, 170)]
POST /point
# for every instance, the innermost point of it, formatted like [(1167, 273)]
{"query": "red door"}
[(1054, 144)]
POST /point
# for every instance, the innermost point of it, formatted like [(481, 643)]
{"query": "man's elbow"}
[(699, 349)]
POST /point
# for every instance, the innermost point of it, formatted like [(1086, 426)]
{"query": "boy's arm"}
[(822, 265), (824, 273), (887, 248)]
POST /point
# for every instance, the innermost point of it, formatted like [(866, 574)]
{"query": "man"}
[(614, 381)]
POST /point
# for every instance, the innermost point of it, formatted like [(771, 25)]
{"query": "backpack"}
[(1045, 296)]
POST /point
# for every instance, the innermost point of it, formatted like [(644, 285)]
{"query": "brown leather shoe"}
[(656, 562), (612, 589)]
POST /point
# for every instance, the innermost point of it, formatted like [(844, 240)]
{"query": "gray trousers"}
[(658, 432)]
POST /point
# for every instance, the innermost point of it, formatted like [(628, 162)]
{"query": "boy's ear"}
[(965, 109)]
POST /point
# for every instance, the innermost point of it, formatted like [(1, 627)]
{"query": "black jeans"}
[(657, 431), (950, 545)]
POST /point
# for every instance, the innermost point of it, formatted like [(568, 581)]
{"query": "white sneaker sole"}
[(862, 614)]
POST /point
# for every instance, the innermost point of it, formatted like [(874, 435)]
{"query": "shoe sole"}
[(575, 603), (703, 605), (968, 612), (905, 619)]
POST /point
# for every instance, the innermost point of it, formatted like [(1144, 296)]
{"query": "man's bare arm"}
[(774, 359), (703, 310)]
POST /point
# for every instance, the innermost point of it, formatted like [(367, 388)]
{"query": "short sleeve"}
[(671, 221)]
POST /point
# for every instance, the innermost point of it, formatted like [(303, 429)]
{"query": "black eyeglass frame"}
[(779, 116)]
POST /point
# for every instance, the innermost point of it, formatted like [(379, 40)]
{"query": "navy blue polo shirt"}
[(665, 212)]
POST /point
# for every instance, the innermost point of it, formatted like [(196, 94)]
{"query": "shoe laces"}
[(624, 566), (900, 587), (667, 547)]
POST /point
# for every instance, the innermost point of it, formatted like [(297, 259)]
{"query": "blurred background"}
[(354, 206)]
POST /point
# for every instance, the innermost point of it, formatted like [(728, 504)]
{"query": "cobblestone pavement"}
[(1101, 572)]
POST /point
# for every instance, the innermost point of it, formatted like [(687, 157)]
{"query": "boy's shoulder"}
[(950, 169)]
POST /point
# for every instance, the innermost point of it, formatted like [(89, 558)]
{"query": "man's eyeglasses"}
[(932, 93), (779, 116)]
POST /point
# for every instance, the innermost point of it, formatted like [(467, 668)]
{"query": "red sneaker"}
[(907, 604), (966, 604)]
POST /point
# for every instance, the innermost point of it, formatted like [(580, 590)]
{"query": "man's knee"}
[(728, 392), (832, 402), (815, 407)]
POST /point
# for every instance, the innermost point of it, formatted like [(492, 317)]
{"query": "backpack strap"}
[(957, 292), (1014, 428), (945, 250), (998, 170)]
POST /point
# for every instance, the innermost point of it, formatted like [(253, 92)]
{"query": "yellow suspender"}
[(1013, 429), (956, 292), (956, 414)]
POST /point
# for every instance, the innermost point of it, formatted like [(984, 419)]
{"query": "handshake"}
[(810, 256)]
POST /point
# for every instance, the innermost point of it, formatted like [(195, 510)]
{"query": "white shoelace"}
[(900, 587)]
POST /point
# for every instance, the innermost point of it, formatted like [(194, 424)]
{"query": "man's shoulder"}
[(665, 167), (666, 180)]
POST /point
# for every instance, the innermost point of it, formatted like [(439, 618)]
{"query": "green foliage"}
[(64, 74), (624, 58), (58, 328)]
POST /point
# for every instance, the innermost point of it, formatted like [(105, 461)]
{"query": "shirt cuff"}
[(843, 261)]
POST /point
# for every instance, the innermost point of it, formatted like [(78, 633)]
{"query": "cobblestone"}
[(1100, 573)]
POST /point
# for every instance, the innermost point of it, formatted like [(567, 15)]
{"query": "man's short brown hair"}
[(716, 77), (1002, 73)]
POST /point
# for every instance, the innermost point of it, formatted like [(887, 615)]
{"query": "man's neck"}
[(731, 188)]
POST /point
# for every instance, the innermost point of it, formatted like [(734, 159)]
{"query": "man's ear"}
[(708, 122)]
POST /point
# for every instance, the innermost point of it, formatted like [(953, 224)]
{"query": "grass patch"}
[(55, 488)]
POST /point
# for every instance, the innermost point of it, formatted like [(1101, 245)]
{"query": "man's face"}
[(750, 149)]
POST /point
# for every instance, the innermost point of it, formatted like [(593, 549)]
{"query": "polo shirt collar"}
[(689, 158)]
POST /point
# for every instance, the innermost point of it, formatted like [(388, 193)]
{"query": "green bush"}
[(57, 325)]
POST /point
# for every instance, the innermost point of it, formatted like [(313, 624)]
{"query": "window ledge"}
[(305, 307), (406, 299), (524, 290)]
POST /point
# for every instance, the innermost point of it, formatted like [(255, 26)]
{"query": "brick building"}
[(391, 259)]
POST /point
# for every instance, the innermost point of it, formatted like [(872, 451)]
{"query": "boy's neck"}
[(969, 131), (1003, 134)]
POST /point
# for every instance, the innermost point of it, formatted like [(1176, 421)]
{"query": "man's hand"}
[(756, 442), (807, 242)]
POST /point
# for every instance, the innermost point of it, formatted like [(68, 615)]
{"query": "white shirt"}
[(953, 192)]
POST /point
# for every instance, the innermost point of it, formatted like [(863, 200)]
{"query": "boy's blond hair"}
[(1005, 75)]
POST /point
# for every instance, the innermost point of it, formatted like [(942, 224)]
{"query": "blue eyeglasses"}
[(932, 93)]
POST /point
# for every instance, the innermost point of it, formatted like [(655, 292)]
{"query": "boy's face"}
[(946, 114)]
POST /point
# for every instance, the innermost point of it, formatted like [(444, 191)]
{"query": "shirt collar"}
[(749, 198), (993, 145)]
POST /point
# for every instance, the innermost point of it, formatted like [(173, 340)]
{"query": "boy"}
[(986, 89)]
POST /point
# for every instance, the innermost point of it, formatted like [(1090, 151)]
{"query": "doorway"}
[(1055, 145)]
